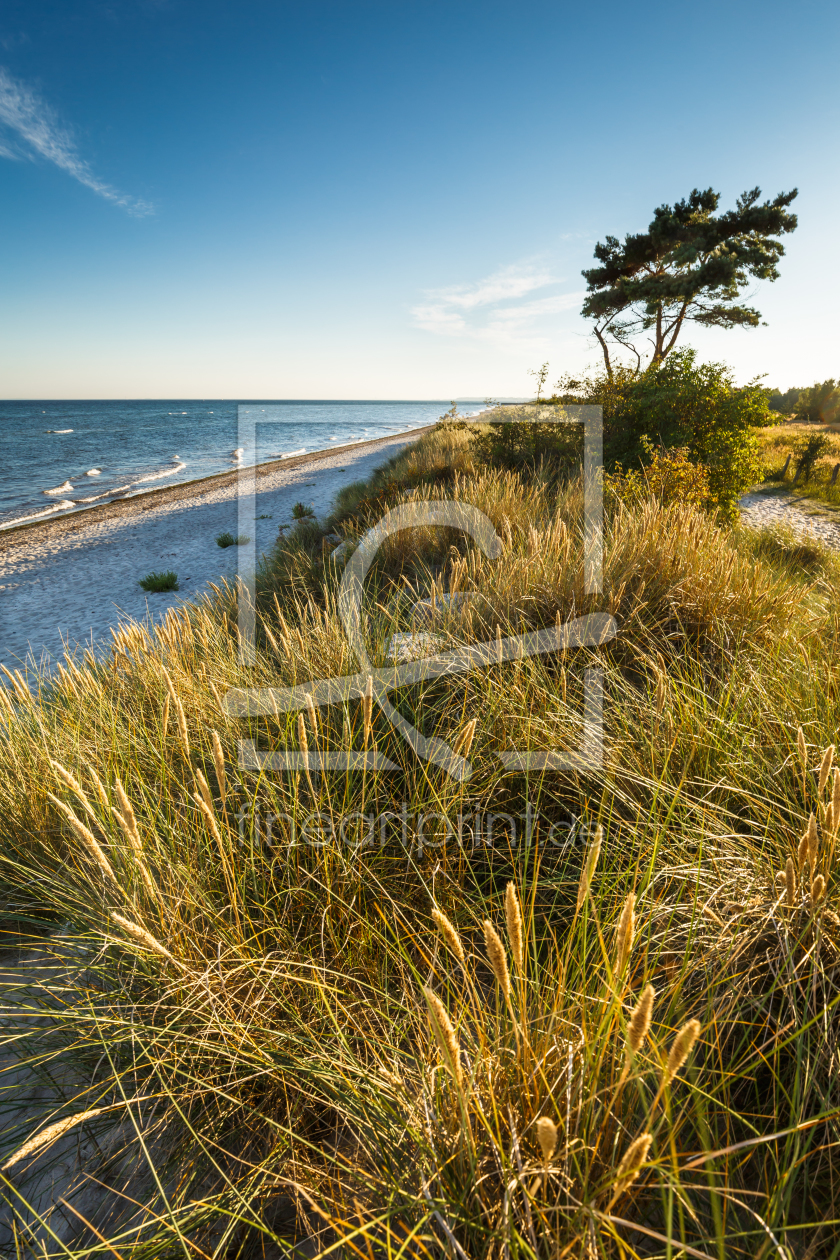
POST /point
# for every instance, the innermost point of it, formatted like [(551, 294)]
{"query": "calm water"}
[(58, 457)]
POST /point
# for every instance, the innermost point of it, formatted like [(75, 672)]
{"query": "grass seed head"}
[(547, 1137), (140, 934), (210, 814), (219, 763), (127, 811), (624, 934), (513, 917), (802, 747), (790, 883), (631, 1164), (312, 713), (817, 890), (813, 842), (802, 850), (449, 933), (498, 960), (204, 789), (302, 740), (681, 1049), (99, 787), (464, 739), (74, 786), (49, 1135), (589, 865), (446, 1036), (835, 797), (164, 721), (825, 768), (181, 718), (639, 1026), (87, 838)]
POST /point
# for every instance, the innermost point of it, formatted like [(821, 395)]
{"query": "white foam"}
[(289, 454), (240, 450), (94, 498), (94, 472), (167, 472), (60, 490), (36, 516), (57, 430)]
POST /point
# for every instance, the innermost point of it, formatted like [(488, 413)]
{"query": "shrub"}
[(301, 512), (670, 477), (683, 404), (528, 437), (232, 540), (806, 453), (157, 582)]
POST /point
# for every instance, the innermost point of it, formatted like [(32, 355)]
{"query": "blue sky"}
[(386, 200)]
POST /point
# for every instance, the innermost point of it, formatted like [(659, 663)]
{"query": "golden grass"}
[(334, 1045)]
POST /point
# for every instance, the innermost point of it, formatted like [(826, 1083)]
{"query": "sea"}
[(61, 457)]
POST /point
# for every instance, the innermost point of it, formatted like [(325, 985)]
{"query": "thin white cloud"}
[(509, 282), (488, 310), (32, 122)]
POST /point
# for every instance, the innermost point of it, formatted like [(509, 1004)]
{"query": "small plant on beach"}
[(302, 513), (232, 540), (158, 582)]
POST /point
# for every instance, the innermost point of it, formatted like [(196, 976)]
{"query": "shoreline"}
[(122, 505), (66, 583)]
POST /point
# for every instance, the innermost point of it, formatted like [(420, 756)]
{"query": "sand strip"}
[(68, 581)]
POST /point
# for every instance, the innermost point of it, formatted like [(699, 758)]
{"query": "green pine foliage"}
[(690, 266)]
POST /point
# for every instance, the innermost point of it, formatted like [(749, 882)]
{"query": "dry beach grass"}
[(623, 1041)]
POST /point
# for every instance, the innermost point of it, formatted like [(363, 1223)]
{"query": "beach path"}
[(70, 580)]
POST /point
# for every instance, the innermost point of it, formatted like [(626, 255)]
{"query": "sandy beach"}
[(65, 583)]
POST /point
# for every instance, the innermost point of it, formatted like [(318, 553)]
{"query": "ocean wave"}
[(37, 516), (58, 430), (289, 454), (59, 490), (167, 472), (94, 472), (94, 498)]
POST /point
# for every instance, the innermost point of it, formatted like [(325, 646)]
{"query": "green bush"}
[(530, 436), (688, 405), (808, 451), (670, 477), (157, 582)]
